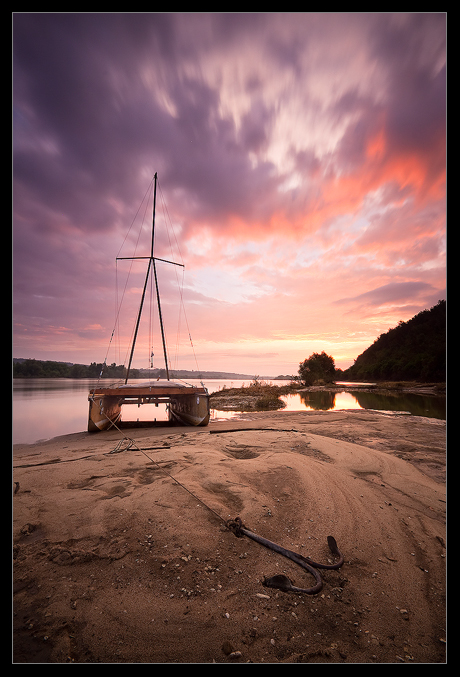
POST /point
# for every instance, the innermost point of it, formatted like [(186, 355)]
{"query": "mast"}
[(151, 265)]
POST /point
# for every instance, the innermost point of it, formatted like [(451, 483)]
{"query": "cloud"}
[(301, 157), (390, 294)]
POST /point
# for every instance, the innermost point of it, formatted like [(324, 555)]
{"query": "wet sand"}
[(125, 557)]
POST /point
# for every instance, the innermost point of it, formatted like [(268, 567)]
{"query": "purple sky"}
[(301, 159)]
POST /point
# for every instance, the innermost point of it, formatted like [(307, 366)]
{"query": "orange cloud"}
[(413, 174)]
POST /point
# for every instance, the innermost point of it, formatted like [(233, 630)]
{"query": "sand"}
[(125, 557)]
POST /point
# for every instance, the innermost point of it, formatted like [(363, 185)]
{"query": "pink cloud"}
[(301, 158)]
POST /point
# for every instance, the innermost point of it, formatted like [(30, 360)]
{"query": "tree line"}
[(32, 368)]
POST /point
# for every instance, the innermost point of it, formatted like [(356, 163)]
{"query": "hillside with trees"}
[(413, 351)]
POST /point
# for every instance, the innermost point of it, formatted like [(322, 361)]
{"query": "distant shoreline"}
[(438, 388), (56, 369)]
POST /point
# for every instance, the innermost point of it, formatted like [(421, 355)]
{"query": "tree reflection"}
[(418, 405), (321, 400)]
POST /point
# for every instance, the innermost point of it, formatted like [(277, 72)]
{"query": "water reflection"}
[(318, 401), (324, 400), (417, 405), (44, 408), (41, 387)]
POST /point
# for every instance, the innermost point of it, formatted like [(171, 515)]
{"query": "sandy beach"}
[(122, 555)]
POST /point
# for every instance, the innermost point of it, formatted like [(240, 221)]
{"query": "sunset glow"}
[(302, 170)]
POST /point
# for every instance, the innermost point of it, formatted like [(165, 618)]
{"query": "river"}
[(44, 408)]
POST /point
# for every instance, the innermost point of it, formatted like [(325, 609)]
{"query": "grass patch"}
[(256, 396)]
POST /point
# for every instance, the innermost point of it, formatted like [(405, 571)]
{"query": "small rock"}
[(235, 654)]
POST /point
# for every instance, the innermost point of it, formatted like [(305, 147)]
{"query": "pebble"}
[(235, 654)]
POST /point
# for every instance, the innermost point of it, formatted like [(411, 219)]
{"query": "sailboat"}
[(186, 404)]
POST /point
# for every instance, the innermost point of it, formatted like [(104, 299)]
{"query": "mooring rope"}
[(236, 526), (131, 444)]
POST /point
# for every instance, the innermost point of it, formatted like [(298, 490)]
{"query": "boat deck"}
[(151, 389)]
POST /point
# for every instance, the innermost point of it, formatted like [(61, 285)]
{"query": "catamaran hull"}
[(104, 412), (186, 408), (190, 410)]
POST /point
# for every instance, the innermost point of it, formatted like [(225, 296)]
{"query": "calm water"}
[(44, 408)]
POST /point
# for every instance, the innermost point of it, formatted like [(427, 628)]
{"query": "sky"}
[(301, 162)]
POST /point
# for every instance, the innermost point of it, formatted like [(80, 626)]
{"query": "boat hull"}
[(104, 413), (190, 410), (187, 405)]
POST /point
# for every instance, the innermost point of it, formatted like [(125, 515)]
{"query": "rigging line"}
[(135, 216), (160, 317), (165, 208), (151, 263), (186, 321), (182, 305), (176, 357), (117, 322), (169, 227), (132, 263), (104, 364), (179, 319), (180, 284), (151, 330), (118, 305)]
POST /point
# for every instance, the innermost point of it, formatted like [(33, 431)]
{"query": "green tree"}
[(30, 368), (78, 371), (319, 366)]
